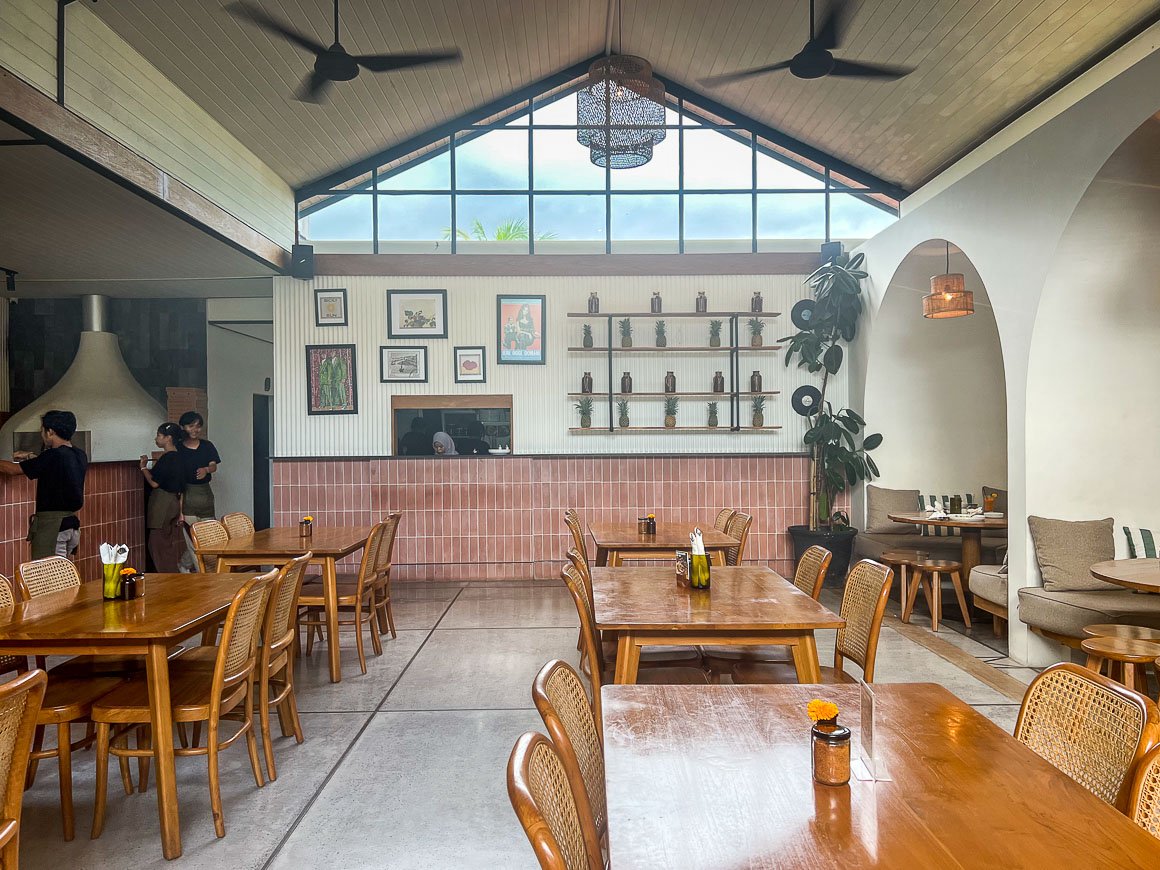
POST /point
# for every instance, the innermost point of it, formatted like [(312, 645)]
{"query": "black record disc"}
[(801, 313), (805, 400)]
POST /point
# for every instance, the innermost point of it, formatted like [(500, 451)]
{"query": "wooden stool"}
[(1127, 659), (928, 571), (1126, 632), (900, 561)]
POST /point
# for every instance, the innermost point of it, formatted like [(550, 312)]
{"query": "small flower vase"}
[(305, 528), (670, 382), (655, 303), (586, 383), (718, 383), (593, 303), (111, 588), (702, 303), (831, 752)]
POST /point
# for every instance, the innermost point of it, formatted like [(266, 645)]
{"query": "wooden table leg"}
[(805, 659), (601, 557), (717, 557), (972, 550), (330, 592), (157, 674), (627, 659)]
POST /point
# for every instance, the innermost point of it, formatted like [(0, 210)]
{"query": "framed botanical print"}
[(471, 365), (520, 330), (329, 307), (331, 387), (403, 365), (416, 314)]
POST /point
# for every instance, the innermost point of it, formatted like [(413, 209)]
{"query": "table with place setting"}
[(969, 526)]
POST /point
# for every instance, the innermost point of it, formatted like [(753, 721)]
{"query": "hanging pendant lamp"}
[(949, 296)]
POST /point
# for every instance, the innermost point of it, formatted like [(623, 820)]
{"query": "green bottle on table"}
[(698, 561)]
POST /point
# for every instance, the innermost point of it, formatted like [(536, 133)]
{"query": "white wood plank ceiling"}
[(978, 62)]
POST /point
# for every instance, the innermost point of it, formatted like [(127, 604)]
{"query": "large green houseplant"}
[(839, 447)]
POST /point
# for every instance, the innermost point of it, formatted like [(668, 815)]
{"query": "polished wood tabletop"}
[(1143, 575), (617, 541), (719, 776), (331, 541), (921, 519)]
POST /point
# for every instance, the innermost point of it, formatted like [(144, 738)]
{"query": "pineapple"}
[(670, 412), (584, 406), (622, 412), (625, 332), (758, 411)]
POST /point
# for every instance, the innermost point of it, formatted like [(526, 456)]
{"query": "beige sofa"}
[(882, 534), (988, 585)]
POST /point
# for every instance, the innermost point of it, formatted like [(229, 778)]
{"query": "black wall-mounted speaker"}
[(831, 251), (302, 262)]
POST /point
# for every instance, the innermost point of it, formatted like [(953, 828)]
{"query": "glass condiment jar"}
[(831, 752)]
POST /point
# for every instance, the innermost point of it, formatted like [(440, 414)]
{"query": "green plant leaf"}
[(872, 466), (833, 358), (872, 441)]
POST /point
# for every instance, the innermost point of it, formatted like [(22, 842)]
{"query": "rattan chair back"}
[(572, 521), (811, 570), (386, 547), (863, 604), (1144, 803), (589, 638), (20, 700), (207, 533), (280, 627), (585, 571), (738, 529), (238, 525), (541, 795), (562, 701), (42, 576), (7, 596), (1090, 727), (367, 567), (723, 517), (7, 602), (237, 656)]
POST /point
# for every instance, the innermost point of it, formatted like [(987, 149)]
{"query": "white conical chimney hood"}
[(98, 387)]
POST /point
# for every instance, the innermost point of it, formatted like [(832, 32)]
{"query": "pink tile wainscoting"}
[(502, 517)]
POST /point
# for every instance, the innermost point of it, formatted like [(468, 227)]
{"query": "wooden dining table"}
[(278, 546), (970, 534), (1142, 575), (79, 621), (719, 776), (618, 541), (744, 605)]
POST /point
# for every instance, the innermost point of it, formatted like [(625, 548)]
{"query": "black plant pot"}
[(840, 542)]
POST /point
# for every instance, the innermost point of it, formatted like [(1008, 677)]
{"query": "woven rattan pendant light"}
[(949, 296)]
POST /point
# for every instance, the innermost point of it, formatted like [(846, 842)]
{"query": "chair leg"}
[(123, 765), (102, 780), (1130, 679), (144, 741), (358, 637), (309, 634), (915, 582), (37, 746), (196, 734), (373, 627), (251, 738), (182, 735), (64, 763), (1094, 663), (996, 625), (390, 617), (215, 791), (264, 719), (936, 591), (957, 581)]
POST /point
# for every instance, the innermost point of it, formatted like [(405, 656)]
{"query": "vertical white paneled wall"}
[(543, 413)]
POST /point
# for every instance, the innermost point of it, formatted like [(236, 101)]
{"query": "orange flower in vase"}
[(822, 712)]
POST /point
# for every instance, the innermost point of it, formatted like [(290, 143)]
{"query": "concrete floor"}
[(404, 767)]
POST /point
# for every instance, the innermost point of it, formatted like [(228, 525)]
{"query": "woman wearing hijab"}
[(163, 512), (443, 444)]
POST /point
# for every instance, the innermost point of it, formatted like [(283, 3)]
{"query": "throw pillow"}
[(1003, 569), (1141, 543), (925, 502), (1000, 497), (881, 502), (1067, 550)]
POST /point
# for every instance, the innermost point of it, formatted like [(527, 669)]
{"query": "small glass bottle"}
[(831, 753), (626, 383), (755, 382), (702, 302), (756, 303), (593, 303), (670, 382), (586, 383), (718, 383), (956, 504), (656, 302)]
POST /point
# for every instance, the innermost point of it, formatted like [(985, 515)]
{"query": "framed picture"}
[(520, 330), (329, 307), (416, 314), (471, 365), (403, 365), (330, 379)]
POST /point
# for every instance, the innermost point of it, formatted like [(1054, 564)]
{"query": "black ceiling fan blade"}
[(313, 88), (829, 34), (855, 70), (737, 76), (385, 62), (256, 16)]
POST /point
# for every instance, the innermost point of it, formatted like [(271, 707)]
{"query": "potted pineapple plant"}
[(662, 339), (714, 333), (584, 406), (625, 332), (756, 325), (587, 340), (758, 411), (622, 412), (712, 415), (671, 412)]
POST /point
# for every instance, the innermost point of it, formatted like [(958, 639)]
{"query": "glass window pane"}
[(772, 172), (786, 221), (496, 160), (660, 173), (414, 224), (718, 222), (559, 111), (715, 160), (491, 224), (433, 173), (343, 227), (646, 223), (562, 163), (852, 218), (570, 224)]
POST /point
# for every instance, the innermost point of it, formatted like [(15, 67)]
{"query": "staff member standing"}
[(59, 472), (199, 460), (163, 512)]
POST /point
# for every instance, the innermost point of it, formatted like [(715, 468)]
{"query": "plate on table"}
[(994, 515), (966, 518)]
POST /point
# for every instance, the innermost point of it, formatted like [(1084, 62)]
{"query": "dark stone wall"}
[(162, 341)]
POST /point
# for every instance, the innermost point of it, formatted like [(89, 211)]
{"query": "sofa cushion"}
[(881, 502), (986, 582), (1067, 550), (1000, 497), (1141, 543), (1067, 613)]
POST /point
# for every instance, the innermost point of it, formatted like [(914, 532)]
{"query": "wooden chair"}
[(572, 521), (738, 529), (238, 525), (207, 533), (929, 572), (1128, 661), (808, 577), (384, 614), (902, 562), (863, 605), (1144, 800), (20, 700), (1092, 728), (200, 694), (19, 664), (357, 597), (723, 517), (563, 704), (542, 797)]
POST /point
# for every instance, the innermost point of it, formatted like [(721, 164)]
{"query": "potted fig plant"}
[(839, 448), (622, 412), (584, 406), (714, 333), (587, 335), (758, 411), (756, 326), (712, 415), (670, 412), (625, 332), (662, 339)]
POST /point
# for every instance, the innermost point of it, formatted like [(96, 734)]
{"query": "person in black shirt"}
[(163, 512), (417, 442), (473, 442), (59, 472), (200, 460)]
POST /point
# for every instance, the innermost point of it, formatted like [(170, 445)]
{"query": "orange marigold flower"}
[(821, 711), (308, 519), (125, 572)]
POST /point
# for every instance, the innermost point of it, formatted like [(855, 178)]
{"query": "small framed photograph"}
[(520, 330), (330, 379), (471, 365), (403, 365), (329, 307), (416, 314)]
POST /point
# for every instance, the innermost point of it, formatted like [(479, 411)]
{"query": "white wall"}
[(236, 368), (936, 387), (543, 413), (112, 86)]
